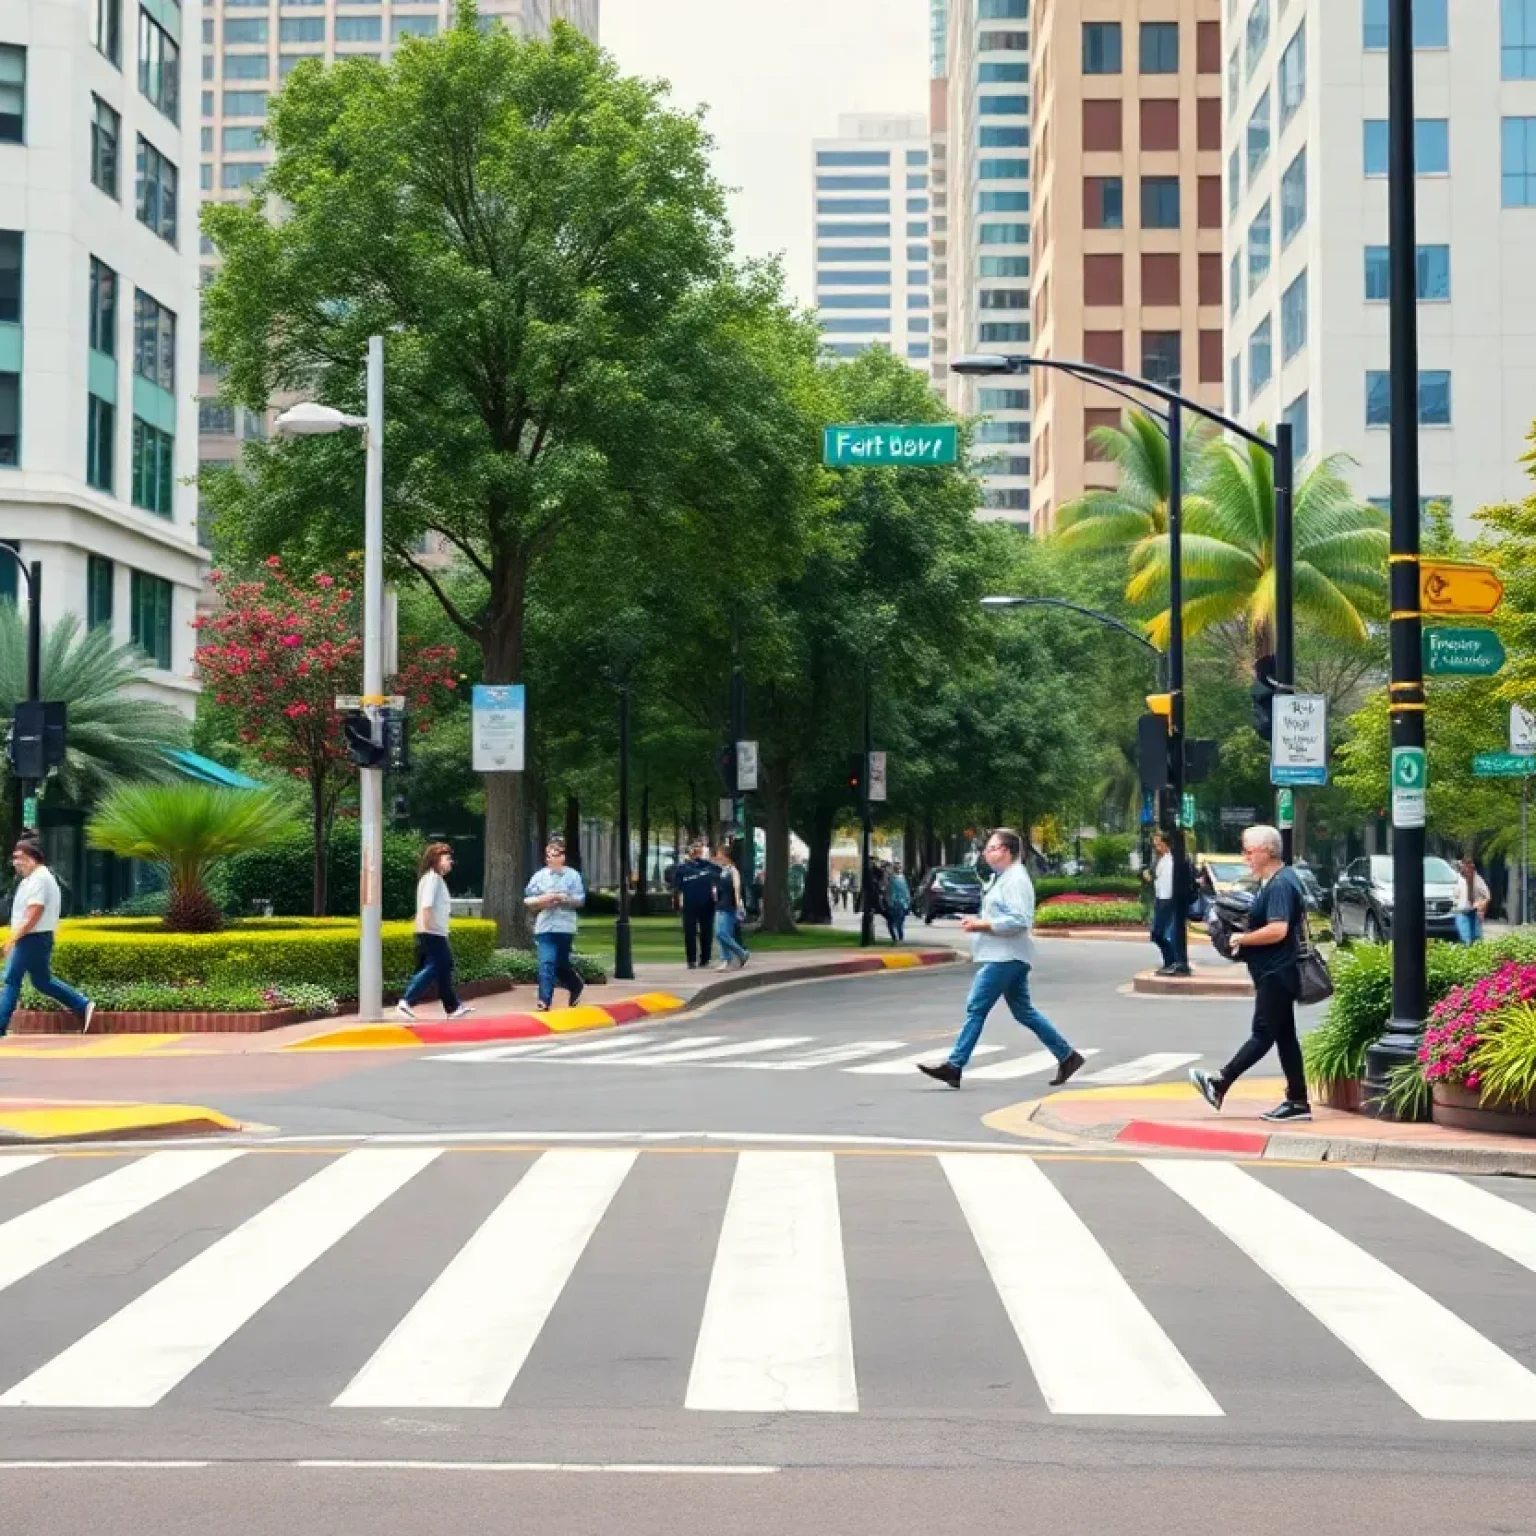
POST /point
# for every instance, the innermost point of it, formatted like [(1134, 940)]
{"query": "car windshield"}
[(1436, 870), (958, 877), (1224, 871)]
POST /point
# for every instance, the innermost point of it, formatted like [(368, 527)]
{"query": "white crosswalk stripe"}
[(1142, 1070), (905, 1066), (827, 1056), (1497, 1224), (1031, 1065), (711, 1053)]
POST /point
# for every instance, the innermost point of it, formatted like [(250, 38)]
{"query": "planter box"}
[(1346, 1094), (40, 1021), (1464, 1110)]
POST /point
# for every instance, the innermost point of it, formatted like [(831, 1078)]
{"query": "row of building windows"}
[(1161, 275), (1103, 52), (1161, 202), (856, 157)]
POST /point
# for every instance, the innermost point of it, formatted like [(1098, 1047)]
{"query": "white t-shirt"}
[(432, 892), (1162, 878), (39, 889)]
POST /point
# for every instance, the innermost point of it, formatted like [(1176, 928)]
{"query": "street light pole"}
[(1285, 591), (623, 954), (370, 959), (866, 894), (1176, 676)]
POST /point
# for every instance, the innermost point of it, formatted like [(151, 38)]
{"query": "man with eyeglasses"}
[(1005, 952)]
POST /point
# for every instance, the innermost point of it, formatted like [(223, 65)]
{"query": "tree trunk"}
[(693, 809), (1299, 836), (573, 832), (777, 916), (506, 798), (642, 881), (816, 903), (542, 815), (322, 837), (909, 847)]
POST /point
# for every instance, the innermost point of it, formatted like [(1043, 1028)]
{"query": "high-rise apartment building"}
[(1128, 219), (873, 222), (98, 320), (938, 185), (986, 95), (1306, 247)]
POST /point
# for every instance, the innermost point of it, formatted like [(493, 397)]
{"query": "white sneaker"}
[(724, 965), (90, 1013), (405, 1011), (463, 1011)]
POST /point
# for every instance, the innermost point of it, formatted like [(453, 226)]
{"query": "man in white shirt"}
[(1004, 951), (1163, 907), (28, 948)]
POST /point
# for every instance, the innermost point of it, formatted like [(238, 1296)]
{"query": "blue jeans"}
[(436, 961), (1469, 927), (30, 960), (1163, 931), (1008, 979), (726, 929), (555, 966), (896, 922)]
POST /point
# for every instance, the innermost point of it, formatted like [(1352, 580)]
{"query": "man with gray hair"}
[(1272, 948)]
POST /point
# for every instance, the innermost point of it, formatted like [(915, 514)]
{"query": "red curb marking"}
[(859, 967), (517, 1026), (624, 1013), (1159, 1133)]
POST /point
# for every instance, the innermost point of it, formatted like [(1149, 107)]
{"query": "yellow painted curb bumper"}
[(360, 1037), (97, 1122)]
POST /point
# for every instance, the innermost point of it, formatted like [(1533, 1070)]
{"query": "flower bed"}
[(1126, 887), (1089, 914)]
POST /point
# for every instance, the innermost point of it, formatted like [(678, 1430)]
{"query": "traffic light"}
[(39, 736), (1152, 740), (1263, 696), (1161, 705), (364, 738), (397, 741), (856, 774), (725, 759)]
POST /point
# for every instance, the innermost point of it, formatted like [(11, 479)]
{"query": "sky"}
[(775, 74)]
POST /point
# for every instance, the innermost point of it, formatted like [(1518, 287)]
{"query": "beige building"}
[(1127, 237)]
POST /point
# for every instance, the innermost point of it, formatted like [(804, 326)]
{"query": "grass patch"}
[(659, 940)]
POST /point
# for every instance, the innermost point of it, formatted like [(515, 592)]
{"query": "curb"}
[(64, 1123), (748, 981), (1150, 984)]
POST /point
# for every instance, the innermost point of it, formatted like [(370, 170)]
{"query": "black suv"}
[(948, 892)]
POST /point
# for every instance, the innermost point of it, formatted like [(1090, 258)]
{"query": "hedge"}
[(282, 873), (255, 952), (1087, 885), (1090, 914)]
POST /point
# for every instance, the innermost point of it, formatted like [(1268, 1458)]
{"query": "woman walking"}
[(1472, 899), (555, 893), (28, 949), (898, 896), (729, 911), (434, 956)]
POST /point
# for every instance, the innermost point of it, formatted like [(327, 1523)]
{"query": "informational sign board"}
[(1522, 729), (1285, 809), (1410, 776), (1503, 765), (500, 718), (1455, 586), (877, 775), (1462, 652), (746, 767), (1298, 752)]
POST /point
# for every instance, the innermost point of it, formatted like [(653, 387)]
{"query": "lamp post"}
[(311, 420), (623, 952), (866, 889)]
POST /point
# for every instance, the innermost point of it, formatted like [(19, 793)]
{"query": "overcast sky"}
[(775, 74)]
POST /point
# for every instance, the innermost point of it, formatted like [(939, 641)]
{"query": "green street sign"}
[(1187, 812), (914, 443), (1410, 773), (1462, 653), (1503, 765), (1285, 808)]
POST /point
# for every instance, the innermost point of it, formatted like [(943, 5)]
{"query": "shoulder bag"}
[(1315, 984)]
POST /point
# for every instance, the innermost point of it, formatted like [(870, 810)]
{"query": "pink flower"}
[(323, 580), (273, 562), (290, 641)]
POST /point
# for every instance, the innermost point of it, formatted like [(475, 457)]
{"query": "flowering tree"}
[(277, 653)]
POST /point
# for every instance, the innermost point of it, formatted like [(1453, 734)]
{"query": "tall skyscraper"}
[(938, 131), (1127, 235), (1306, 246), (873, 221), (98, 322)]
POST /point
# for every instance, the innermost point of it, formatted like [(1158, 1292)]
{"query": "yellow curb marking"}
[(564, 1020), (102, 1120), (1015, 1120), (900, 962), (105, 1045), (658, 1002), (1170, 1093), (365, 1037)]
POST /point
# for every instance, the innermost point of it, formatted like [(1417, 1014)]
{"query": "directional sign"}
[(1522, 729), (1503, 765), (1298, 749), (1285, 808), (1410, 776), (1187, 813), (1451, 587), (1462, 653), (914, 443)]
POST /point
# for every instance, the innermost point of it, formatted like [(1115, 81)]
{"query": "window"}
[(107, 28), (917, 253), (1434, 398), (99, 575), (246, 66), (992, 138), (1517, 142), (998, 331), (823, 231), (207, 103), (103, 308), (100, 430), (1234, 65), (240, 173), (1259, 239), (872, 278), (13, 97), (920, 204), (1003, 106), (1003, 432), (918, 183), (10, 419), (1003, 42), (10, 276), (1102, 124), (1293, 318), (1432, 270), (1210, 357), (1161, 277), (153, 469), (216, 419), (842, 205), (1003, 399), (918, 349), (916, 229), (1235, 281), (1004, 298), (1159, 47), (1161, 357), (847, 157), (364, 29), (159, 67), (156, 191), (242, 140), (205, 176), (150, 621), (1208, 47), (916, 300), (989, 170), (1295, 415), (1003, 266), (248, 29), (1101, 47), (1258, 33), (1002, 202), (917, 156), (844, 325), (414, 26), (1159, 202), (1003, 234), (301, 29), (1431, 146), (154, 341), (1208, 123), (1160, 124), (1293, 198), (854, 301), (1258, 135), (1430, 24), (1260, 357), (853, 253), (1293, 75), (997, 74), (1103, 202), (1234, 181), (1517, 19), (1235, 386), (106, 130), (853, 183)]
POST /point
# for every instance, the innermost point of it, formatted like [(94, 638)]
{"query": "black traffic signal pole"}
[(33, 576), (867, 920), (623, 956), (1409, 981), (1285, 596), (1176, 764)]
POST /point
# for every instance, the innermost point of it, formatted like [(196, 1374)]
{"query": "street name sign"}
[(497, 726), (914, 443), (1522, 729), (1462, 653), (1503, 765), (1455, 587), (1285, 809), (1298, 750), (347, 702), (1410, 776)]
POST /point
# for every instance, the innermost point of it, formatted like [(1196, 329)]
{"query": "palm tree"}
[(186, 829), (1229, 550), (112, 734), (1135, 512)]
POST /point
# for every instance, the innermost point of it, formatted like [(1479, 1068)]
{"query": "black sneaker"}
[(1065, 1068), (1180, 970), (1288, 1109), (1209, 1087), (1164, 970), (576, 991), (941, 1071)]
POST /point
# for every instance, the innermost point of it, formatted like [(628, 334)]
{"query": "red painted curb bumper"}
[(1193, 1138)]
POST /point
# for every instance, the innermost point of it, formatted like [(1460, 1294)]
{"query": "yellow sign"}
[(1455, 588)]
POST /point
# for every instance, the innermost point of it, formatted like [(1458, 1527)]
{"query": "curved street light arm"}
[(1087, 613)]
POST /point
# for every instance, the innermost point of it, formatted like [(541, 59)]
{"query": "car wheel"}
[(1373, 933)]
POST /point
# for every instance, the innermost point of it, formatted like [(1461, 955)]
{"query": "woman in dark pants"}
[(433, 953)]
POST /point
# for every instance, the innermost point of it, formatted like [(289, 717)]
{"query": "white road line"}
[(544, 1049), (140, 1353), (1142, 1069), (713, 1053), (776, 1335), (828, 1056), (904, 1066), (648, 1468), (14, 1162), (465, 1340), (1448, 1371), (1093, 1346), (668, 1047), (47, 1231), (1018, 1066), (1480, 1214)]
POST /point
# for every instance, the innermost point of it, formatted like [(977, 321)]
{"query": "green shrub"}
[(157, 997), (282, 873), (521, 967), (1089, 914), (1109, 854), (1089, 885)]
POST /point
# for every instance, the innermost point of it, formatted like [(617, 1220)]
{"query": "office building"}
[(1306, 245), (872, 217), (1128, 219), (938, 186), (98, 321)]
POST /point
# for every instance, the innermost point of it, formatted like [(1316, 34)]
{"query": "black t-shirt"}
[(1279, 900), (696, 883), (725, 890)]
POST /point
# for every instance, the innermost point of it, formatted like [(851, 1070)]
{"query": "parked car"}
[(1362, 899), (1228, 871), (948, 892)]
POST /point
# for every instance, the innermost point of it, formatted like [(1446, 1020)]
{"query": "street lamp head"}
[(309, 419), (983, 363), (1002, 602)]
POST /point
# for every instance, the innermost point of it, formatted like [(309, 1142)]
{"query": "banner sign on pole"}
[(1522, 729), (877, 775), (1298, 752), (746, 767), (498, 728)]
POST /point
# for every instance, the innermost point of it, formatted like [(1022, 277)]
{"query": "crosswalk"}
[(759, 1281), (804, 1053)]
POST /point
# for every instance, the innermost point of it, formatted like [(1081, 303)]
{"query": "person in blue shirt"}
[(898, 902), (694, 883), (556, 893), (1004, 952)]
